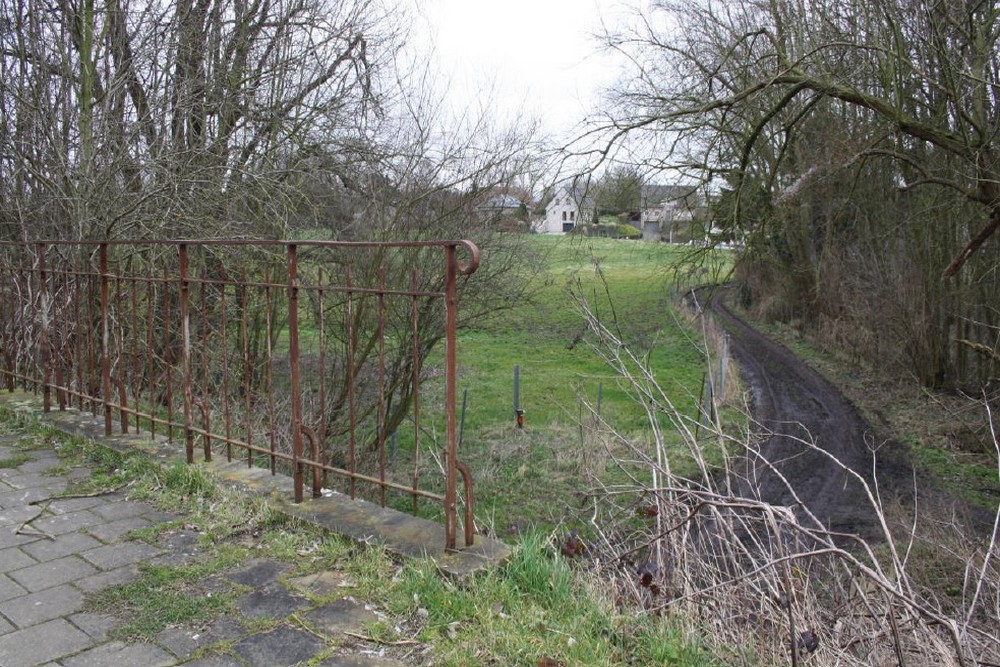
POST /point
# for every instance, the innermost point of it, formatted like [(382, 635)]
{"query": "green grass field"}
[(536, 475), (547, 337)]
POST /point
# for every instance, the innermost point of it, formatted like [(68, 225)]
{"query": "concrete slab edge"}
[(400, 534)]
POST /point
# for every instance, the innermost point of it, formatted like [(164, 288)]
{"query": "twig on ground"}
[(384, 642), (92, 494), (34, 532)]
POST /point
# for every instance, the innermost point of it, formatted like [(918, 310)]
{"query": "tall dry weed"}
[(765, 584)]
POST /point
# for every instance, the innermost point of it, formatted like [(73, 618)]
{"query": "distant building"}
[(570, 207), (505, 210), (665, 208), (500, 204)]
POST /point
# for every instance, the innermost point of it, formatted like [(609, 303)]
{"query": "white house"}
[(568, 208)]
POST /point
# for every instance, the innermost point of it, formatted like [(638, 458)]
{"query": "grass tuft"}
[(537, 607), (161, 597), (187, 481), (15, 460)]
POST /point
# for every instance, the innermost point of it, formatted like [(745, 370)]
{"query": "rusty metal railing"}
[(310, 357)]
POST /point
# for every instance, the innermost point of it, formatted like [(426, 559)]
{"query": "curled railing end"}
[(469, 267)]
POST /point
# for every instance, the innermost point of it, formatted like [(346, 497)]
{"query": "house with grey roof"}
[(500, 203), (571, 206)]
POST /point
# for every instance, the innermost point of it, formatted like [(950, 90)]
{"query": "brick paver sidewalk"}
[(55, 552)]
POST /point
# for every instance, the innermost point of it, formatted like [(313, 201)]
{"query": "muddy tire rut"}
[(793, 405)]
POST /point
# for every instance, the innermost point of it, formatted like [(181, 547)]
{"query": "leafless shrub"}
[(768, 584)]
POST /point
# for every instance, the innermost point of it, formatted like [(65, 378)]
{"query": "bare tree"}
[(128, 119), (856, 140), (730, 82)]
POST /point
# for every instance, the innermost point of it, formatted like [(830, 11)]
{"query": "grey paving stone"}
[(79, 474), (9, 589), (124, 509), (56, 487), (216, 661), (63, 545), (40, 464), (114, 556), (44, 582), (115, 530), (17, 497), (18, 514), (172, 559), (96, 626), (102, 580), (31, 480), (59, 524), (180, 540), (118, 654), (271, 602), (184, 641), (322, 584), (345, 615), (43, 606), (258, 573), (14, 558), (41, 643), (26, 535), (215, 585), (282, 647), (53, 573), (157, 516), (68, 505), (180, 548)]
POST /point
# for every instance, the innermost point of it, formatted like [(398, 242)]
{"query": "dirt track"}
[(792, 403)]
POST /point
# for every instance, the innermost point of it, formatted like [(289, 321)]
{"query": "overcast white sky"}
[(537, 55)]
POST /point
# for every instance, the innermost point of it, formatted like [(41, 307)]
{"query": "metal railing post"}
[(294, 378), (380, 426), (45, 316), (453, 466), (351, 414), (6, 313), (105, 341), (415, 332), (186, 352), (451, 442), (62, 384)]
